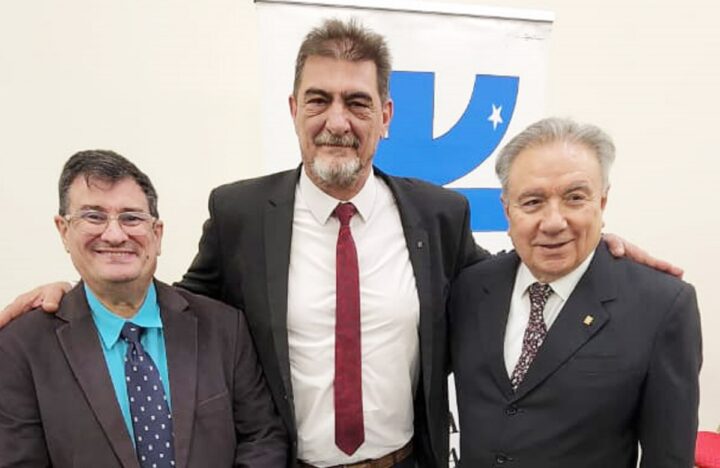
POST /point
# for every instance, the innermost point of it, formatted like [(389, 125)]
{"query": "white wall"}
[(169, 84)]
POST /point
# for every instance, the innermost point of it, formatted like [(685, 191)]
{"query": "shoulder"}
[(198, 301), (30, 331), (477, 282), (489, 269), (423, 191), (203, 307), (216, 321), (639, 294), (650, 285), (263, 184), (218, 317), (233, 205), (637, 279), (436, 208)]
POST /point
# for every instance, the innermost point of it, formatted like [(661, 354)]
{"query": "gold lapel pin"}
[(588, 320)]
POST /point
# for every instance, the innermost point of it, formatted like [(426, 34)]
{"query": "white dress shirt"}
[(389, 311), (520, 307)]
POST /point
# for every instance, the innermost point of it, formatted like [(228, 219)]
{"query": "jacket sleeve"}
[(205, 275), (669, 408), (469, 252), (22, 441), (262, 441)]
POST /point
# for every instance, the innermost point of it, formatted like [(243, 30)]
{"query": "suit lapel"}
[(418, 248), (492, 313), (180, 333), (81, 345), (416, 239), (278, 221), (570, 330)]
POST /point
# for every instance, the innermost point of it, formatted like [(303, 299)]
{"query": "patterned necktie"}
[(349, 426), (534, 333), (149, 408)]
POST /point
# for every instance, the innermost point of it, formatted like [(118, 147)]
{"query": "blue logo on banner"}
[(411, 150)]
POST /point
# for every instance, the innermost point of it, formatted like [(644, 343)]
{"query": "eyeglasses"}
[(134, 223)]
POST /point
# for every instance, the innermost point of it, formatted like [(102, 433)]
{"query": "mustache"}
[(328, 139)]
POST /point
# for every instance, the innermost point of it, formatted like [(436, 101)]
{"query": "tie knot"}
[(130, 332), (344, 212), (539, 293)]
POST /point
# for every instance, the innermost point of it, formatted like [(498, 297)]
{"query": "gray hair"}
[(346, 41), (106, 166), (556, 129)]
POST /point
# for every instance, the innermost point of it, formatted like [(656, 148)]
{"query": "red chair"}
[(707, 450)]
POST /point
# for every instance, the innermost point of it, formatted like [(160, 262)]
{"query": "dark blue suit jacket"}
[(594, 389)]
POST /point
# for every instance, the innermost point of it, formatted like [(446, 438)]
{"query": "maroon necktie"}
[(534, 333), (349, 428)]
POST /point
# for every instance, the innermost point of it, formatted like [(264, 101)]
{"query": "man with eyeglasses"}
[(130, 371)]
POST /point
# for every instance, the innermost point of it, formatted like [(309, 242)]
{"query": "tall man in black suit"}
[(269, 248), (563, 355), (130, 372)]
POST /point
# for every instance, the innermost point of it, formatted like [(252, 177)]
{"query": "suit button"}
[(501, 459), (511, 410)]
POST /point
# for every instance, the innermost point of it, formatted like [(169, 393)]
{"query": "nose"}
[(337, 122), (553, 220), (113, 233)]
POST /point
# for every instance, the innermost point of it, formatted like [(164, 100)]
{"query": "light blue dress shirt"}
[(109, 325)]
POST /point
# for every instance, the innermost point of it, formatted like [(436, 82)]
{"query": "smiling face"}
[(339, 119), (112, 258), (554, 204)]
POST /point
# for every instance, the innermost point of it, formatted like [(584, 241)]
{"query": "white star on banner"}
[(495, 117)]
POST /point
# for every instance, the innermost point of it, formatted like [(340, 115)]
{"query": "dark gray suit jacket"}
[(58, 406), (594, 390), (243, 260)]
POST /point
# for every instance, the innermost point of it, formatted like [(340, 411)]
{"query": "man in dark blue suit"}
[(565, 356)]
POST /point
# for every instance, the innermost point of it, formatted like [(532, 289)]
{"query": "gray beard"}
[(337, 174)]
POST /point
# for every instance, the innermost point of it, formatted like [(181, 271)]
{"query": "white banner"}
[(465, 79)]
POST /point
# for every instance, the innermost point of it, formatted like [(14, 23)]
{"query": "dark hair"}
[(107, 166), (346, 41)]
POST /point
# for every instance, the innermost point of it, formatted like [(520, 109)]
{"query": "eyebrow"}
[(317, 92), (346, 96), (582, 185), (531, 193), (357, 95), (577, 186), (101, 208)]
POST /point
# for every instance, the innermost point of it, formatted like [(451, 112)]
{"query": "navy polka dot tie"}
[(534, 333), (151, 418)]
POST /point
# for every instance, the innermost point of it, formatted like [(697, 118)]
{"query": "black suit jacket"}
[(594, 389), (244, 257), (58, 406)]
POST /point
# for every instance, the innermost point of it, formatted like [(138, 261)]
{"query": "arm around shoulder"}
[(204, 275), (47, 296)]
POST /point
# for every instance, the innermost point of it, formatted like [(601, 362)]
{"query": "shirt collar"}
[(563, 287), (321, 204), (110, 324)]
